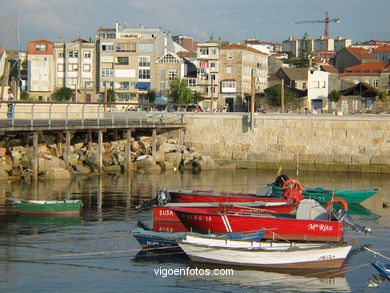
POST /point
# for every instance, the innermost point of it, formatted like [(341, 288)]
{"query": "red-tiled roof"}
[(360, 53), (235, 46), (382, 49), (329, 68), (373, 68), (40, 41)]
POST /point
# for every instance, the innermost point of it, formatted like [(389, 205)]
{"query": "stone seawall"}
[(333, 143)]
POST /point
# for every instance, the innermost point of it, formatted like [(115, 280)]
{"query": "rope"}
[(375, 252)]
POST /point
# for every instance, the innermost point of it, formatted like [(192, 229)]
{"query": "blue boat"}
[(383, 269), (168, 241)]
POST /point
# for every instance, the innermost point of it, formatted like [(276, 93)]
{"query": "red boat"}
[(210, 196), (165, 213), (310, 223)]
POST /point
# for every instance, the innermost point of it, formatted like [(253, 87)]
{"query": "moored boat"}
[(48, 207), (265, 254), (165, 213), (168, 241), (383, 269), (312, 222)]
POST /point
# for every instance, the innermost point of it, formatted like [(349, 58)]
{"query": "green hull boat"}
[(49, 207), (324, 195)]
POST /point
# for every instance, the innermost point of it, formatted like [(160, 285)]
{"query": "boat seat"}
[(309, 209)]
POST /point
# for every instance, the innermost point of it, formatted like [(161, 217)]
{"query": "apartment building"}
[(75, 67), (207, 81), (341, 43), (135, 61), (236, 66), (41, 75)]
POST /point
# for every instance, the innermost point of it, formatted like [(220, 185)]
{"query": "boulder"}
[(113, 169), (5, 165), (145, 162), (80, 169), (166, 165), (204, 163), (167, 148), (3, 174), (3, 152), (174, 158), (92, 159), (57, 173), (72, 159)]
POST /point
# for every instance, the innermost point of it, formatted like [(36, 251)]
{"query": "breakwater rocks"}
[(17, 161)]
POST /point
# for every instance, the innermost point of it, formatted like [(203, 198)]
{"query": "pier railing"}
[(85, 115)]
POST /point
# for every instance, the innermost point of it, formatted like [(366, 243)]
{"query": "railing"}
[(86, 115)]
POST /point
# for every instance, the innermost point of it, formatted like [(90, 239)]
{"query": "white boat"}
[(265, 253)]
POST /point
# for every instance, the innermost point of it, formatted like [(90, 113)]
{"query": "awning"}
[(142, 85)]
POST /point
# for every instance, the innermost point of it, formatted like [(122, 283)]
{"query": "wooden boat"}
[(48, 207), (168, 241), (324, 195), (265, 254), (312, 222), (165, 213), (383, 269)]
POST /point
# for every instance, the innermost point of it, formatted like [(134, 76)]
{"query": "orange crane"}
[(327, 20)]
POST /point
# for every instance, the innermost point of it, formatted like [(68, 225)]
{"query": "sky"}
[(231, 20)]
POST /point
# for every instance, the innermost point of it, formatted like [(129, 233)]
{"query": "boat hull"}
[(50, 208), (265, 254), (276, 227), (166, 213)]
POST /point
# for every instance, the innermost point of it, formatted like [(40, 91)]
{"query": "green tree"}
[(63, 94), (334, 96), (273, 95), (151, 96), (306, 47), (111, 96), (179, 92), (382, 96), (197, 97), (24, 96)]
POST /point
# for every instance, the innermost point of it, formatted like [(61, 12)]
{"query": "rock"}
[(3, 152), (160, 156), (3, 174), (155, 168), (113, 169), (166, 165), (167, 147), (107, 159), (43, 149), (92, 159), (174, 158), (145, 162), (80, 169), (204, 163), (386, 204), (16, 157), (54, 150), (78, 146), (5, 165), (57, 173), (72, 159)]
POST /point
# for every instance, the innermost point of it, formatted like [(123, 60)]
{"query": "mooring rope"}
[(376, 252)]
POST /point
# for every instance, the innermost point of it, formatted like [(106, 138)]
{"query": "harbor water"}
[(95, 252)]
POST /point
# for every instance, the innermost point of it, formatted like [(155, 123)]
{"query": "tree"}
[(63, 94), (306, 47), (273, 95), (111, 96), (24, 96), (179, 92), (151, 96), (197, 97), (334, 96), (382, 96)]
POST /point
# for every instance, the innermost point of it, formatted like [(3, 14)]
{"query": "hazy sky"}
[(232, 20)]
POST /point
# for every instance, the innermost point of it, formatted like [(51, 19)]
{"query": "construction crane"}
[(327, 20)]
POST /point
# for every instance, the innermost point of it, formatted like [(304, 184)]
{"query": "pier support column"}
[(59, 143), (67, 143), (128, 150), (100, 150), (154, 143), (35, 155), (89, 137), (181, 136)]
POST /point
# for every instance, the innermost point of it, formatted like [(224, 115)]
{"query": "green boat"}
[(48, 207), (324, 195)]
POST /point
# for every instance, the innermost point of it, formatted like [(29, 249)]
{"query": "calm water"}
[(95, 253)]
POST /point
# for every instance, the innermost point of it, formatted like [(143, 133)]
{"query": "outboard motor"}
[(163, 197), (345, 218), (279, 181)]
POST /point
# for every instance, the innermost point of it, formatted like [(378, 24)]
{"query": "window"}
[(60, 54), (144, 74), (144, 61), (213, 51), (213, 65), (169, 59), (323, 84), (145, 47), (191, 82), (204, 51), (122, 60), (229, 85), (73, 54), (230, 55), (60, 67), (124, 85), (229, 69), (72, 67), (375, 83), (107, 47), (86, 67), (40, 47), (107, 72), (72, 81), (87, 55), (60, 82), (172, 74), (304, 85), (125, 47)]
